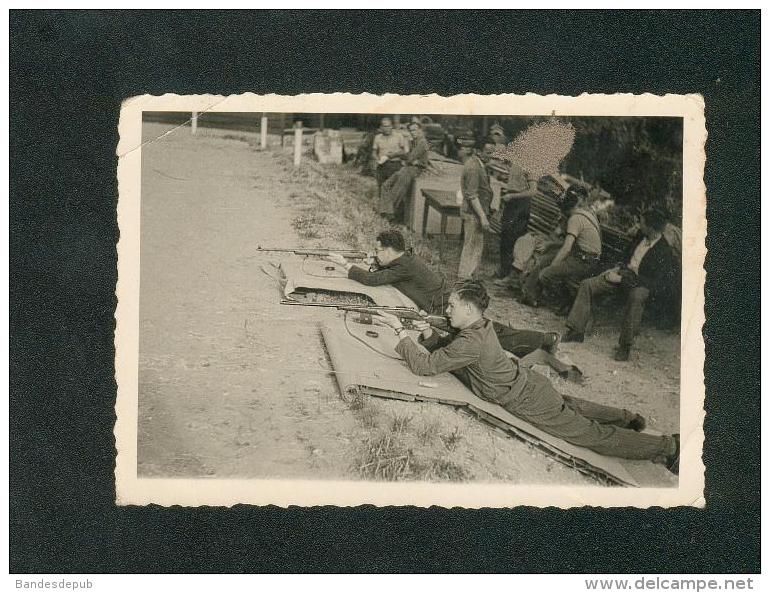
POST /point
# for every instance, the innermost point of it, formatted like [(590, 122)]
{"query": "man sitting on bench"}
[(578, 256), (649, 273), (474, 355)]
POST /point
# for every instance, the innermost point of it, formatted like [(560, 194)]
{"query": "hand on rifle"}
[(394, 322), (423, 326), (337, 258), (390, 320)]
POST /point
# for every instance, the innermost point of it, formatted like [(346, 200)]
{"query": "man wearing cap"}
[(577, 258)]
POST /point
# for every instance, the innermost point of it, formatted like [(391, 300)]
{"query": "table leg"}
[(425, 218), (443, 232)]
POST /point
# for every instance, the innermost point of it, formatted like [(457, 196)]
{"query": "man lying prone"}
[(413, 277), (475, 356)]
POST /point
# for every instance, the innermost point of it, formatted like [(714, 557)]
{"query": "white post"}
[(297, 143), (263, 133), (194, 121)]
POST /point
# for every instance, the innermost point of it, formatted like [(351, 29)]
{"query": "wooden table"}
[(443, 202)]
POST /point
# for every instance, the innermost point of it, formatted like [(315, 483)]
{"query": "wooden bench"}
[(544, 218)]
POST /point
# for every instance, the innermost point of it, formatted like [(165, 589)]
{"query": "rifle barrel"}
[(350, 253)]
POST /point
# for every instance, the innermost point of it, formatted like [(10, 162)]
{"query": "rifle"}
[(348, 253), (405, 314)]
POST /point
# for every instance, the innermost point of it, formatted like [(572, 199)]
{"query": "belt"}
[(585, 256)]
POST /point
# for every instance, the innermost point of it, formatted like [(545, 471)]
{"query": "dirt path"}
[(233, 384), (229, 383)]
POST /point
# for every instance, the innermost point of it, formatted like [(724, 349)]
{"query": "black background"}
[(69, 72)]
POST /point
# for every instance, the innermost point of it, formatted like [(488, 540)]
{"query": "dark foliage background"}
[(69, 72)]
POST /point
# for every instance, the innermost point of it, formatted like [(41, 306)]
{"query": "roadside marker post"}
[(297, 143), (263, 133)]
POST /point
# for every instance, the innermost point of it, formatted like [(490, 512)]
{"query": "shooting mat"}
[(312, 275), (370, 365)]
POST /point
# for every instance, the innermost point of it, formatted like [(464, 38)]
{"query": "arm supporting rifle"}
[(405, 315)]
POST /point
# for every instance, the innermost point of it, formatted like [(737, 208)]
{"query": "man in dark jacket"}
[(474, 355), (649, 272), (417, 280)]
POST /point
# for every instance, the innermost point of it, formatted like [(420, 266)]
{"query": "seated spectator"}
[(389, 145), (648, 274), (578, 256), (396, 188)]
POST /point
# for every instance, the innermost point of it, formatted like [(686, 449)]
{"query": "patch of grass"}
[(384, 457), (308, 225), (443, 470), (428, 431), (400, 423), (452, 439), (364, 410)]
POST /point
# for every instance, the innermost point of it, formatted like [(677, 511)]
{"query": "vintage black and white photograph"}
[(471, 301)]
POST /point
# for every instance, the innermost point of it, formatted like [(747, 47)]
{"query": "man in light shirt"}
[(388, 148), (649, 274), (576, 259), (475, 209)]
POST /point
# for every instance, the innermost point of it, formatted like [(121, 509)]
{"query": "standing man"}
[(650, 272), (517, 201), (418, 281), (477, 197), (389, 145), (395, 189), (474, 355), (578, 256)]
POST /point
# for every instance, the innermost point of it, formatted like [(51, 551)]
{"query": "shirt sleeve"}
[(436, 341), (389, 275), (574, 226), (470, 184), (456, 355)]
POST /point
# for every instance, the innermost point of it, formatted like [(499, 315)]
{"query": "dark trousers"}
[(518, 342), (513, 224), (395, 191), (385, 170), (583, 308), (554, 276), (584, 423)]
